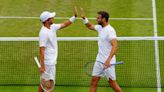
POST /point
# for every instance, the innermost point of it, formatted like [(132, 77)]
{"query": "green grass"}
[(70, 65), (161, 58), (71, 89), (16, 64), (160, 19), (138, 70), (31, 27), (126, 8)]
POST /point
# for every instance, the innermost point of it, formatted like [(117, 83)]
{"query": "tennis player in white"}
[(107, 46), (48, 45)]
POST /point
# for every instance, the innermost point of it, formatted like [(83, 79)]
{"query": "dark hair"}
[(45, 21), (104, 14)]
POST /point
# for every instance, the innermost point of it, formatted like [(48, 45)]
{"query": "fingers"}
[(82, 10), (42, 70), (82, 13), (75, 11), (106, 66)]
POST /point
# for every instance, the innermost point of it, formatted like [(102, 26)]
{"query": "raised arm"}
[(71, 20), (88, 24)]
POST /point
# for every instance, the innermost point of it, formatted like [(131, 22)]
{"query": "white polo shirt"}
[(105, 35), (48, 39)]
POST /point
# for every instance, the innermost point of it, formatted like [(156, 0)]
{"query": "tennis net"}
[(17, 66)]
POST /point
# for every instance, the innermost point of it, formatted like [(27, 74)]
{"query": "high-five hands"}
[(75, 11), (82, 13)]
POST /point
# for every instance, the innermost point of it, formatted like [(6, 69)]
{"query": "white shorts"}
[(109, 72), (50, 73)]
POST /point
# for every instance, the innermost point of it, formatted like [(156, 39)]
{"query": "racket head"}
[(46, 85), (88, 68)]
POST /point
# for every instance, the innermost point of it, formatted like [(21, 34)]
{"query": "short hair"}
[(104, 14)]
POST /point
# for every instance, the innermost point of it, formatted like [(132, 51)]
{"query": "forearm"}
[(42, 56), (88, 24), (113, 51), (68, 22)]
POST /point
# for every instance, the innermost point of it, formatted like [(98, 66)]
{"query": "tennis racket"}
[(88, 67), (44, 83)]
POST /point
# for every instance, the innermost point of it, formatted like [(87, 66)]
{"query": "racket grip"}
[(37, 62), (121, 62)]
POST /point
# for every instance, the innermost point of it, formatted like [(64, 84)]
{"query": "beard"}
[(99, 23), (50, 23)]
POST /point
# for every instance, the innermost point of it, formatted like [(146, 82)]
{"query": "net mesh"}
[(161, 59), (18, 67)]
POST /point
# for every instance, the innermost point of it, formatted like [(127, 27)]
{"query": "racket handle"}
[(121, 62), (117, 63), (37, 62)]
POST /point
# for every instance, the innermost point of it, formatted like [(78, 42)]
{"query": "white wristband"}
[(85, 21), (72, 19)]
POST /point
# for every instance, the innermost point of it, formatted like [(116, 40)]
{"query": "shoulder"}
[(98, 27), (43, 31), (55, 26), (111, 28), (111, 32)]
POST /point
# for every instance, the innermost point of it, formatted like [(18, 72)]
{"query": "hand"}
[(106, 64), (82, 13), (42, 70), (75, 11)]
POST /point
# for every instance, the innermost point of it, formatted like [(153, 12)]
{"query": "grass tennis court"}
[(18, 70), (73, 89)]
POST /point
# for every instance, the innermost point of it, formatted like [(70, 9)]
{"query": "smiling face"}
[(102, 17), (100, 20)]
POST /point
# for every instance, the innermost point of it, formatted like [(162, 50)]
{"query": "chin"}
[(100, 23)]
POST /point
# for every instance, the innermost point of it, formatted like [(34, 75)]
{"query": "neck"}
[(104, 24), (47, 25)]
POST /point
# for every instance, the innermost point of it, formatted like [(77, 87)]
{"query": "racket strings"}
[(46, 86)]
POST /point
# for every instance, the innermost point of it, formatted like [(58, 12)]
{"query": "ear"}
[(103, 19)]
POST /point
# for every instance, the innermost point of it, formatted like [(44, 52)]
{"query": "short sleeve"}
[(43, 38), (112, 34), (55, 27), (97, 27)]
